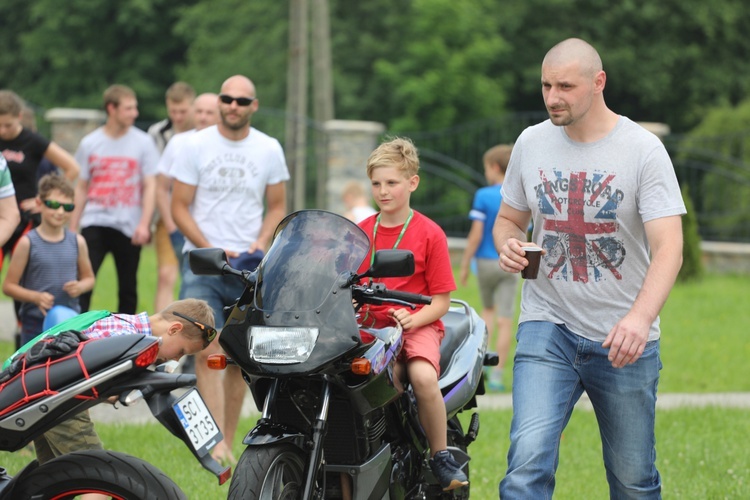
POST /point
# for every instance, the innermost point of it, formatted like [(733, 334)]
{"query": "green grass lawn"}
[(700, 452)]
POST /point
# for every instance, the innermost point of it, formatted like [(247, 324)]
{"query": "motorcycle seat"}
[(39, 381), (457, 329)]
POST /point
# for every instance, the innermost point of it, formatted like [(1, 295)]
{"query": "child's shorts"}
[(75, 434), (423, 343)]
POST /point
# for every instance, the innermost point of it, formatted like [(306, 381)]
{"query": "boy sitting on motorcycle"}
[(392, 169), (185, 327)]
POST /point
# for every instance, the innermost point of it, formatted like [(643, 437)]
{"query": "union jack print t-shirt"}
[(589, 203)]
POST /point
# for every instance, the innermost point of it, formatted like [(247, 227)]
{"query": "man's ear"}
[(600, 81)]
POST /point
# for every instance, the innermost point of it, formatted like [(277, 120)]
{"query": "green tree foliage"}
[(67, 53), (407, 64), (412, 64), (692, 263), (240, 37), (667, 61), (444, 71), (719, 143)]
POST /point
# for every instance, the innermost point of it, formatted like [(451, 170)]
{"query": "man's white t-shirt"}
[(115, 169), (169, 155), (231, 179)]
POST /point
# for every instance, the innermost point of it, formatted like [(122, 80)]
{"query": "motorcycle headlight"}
[(279, 345)]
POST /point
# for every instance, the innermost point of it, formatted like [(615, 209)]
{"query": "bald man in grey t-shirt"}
[(606, 207)]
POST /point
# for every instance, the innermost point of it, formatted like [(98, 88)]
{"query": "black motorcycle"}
[(44, 394), (333, 424)]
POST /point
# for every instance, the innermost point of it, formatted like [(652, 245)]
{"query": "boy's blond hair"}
[(50, 182), (499, 155), (197, 309), (399, 153)]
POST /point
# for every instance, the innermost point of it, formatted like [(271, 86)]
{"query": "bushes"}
[(692, 265)]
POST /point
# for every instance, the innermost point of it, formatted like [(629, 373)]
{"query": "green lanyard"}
[(398, 240)]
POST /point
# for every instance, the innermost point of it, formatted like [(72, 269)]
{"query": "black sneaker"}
[(448, 471)]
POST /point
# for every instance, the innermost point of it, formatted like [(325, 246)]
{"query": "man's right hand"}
[(512, 258), (45, 301)]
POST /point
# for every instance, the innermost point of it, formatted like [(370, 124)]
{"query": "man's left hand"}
[(141, 236), (627, 340)]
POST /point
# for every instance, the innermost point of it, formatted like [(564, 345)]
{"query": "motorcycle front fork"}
[(315, 446)]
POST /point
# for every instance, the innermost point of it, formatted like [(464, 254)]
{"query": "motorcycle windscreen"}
[(311, 249)]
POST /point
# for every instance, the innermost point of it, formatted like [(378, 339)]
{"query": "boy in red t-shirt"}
[(392, 169)]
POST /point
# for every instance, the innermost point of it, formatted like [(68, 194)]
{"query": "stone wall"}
[(718, 257), (68, 125)]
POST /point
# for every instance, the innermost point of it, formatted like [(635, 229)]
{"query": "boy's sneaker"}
[(495, 381), (448, 471), (496, 386)]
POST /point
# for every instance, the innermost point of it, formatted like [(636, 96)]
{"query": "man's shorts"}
[(218, 291), (165, 255), (74, 434), (497, 288)]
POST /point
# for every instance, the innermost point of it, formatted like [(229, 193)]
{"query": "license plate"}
[(197, 421)]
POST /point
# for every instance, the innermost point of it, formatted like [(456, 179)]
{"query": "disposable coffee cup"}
[(534, 256)]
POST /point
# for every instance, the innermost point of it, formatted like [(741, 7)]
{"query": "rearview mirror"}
[(391, 264), (208, 261)]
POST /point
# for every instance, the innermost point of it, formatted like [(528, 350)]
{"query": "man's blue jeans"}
[(553, 366), (218, 291)]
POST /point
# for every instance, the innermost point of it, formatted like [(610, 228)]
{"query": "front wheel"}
[(109, 473), (273, 472)]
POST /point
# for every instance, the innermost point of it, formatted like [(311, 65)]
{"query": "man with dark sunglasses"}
[(222, 174)]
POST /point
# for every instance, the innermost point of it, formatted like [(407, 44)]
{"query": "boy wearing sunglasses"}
[(184, 327), (50, 264)]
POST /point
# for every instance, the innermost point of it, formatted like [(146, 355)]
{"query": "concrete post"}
[(660, 130), (349, 145), (69, 126)]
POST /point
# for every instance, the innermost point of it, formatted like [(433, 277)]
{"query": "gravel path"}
[(140, 413)]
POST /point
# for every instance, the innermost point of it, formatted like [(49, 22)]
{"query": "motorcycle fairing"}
[(464, 343), (312, 248)]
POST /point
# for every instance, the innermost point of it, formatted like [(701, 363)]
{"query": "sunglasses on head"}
[(209, 332), (54, 205), (241, 101)]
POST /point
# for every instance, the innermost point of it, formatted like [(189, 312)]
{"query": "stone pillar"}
[(660, 130), (349, 145), (68, 125)]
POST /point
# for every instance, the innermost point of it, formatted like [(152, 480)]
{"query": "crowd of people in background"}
[(125, 188)]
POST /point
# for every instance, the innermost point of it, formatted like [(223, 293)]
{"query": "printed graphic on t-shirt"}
[(114, 181), (14, 156), (232, 173), (580, 226)]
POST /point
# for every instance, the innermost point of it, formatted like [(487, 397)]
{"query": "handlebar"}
[(378, 293), (414, 298)]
